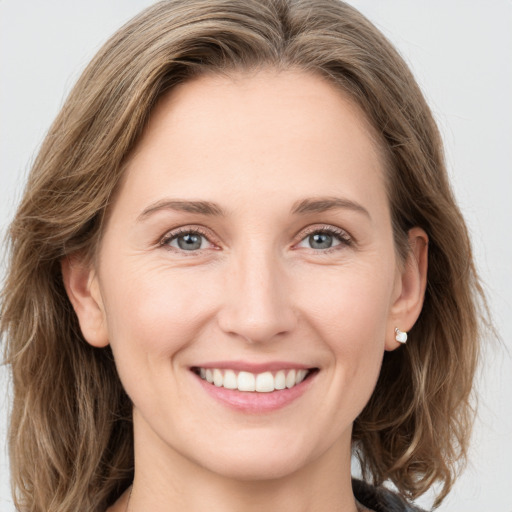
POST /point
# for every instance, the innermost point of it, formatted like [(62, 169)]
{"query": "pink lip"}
[(244, 366), (253, 402)]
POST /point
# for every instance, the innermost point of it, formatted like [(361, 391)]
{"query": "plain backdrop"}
[(460, 52)]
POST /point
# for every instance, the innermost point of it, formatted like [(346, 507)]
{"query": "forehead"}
[(282, 128), (293, 99)]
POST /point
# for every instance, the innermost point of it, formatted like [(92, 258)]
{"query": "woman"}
[(222, 244)]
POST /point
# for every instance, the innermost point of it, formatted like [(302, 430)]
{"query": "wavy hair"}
[(71, 443)]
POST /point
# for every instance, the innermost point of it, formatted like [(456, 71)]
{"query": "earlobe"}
[(412, 285), (82, 287)]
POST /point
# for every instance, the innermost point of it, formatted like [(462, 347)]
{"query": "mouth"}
[(264, 382)]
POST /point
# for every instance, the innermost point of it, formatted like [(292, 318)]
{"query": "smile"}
[(265, 382)]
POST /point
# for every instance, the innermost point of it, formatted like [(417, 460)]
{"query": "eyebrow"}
[(323, 204), (301, 207), (200, 207)]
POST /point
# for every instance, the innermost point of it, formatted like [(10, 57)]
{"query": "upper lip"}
[(246, 366)]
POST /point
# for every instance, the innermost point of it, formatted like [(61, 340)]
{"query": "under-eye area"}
[(264, 382)]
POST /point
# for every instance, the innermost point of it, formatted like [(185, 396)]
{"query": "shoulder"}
[(380, 499)]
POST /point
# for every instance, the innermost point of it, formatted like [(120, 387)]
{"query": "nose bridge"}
[(257, 306)]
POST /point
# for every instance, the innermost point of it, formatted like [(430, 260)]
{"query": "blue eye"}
[(322, 239), (187, 240)]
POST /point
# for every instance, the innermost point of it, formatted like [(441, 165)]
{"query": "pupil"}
[(189, 242), (320, 241)]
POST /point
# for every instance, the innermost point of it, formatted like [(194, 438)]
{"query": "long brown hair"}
[(71, 443)]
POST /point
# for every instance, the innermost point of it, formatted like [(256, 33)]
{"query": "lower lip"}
[(254, 402)]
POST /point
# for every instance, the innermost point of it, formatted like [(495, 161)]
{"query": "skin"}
[(257, 290)]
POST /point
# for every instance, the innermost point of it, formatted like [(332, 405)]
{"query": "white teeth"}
[(246, 382), (280, 380), (290, 379), (265, 382), (300, 376), (230, 381), (218, 380)]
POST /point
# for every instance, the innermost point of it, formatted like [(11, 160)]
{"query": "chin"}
[(253, 469), (257, 459)]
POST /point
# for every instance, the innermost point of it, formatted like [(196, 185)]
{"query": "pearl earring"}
[(400, 336)]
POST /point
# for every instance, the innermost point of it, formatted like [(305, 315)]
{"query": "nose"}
[(257, 303)]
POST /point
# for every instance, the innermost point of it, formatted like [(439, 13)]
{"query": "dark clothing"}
[(380, 499)]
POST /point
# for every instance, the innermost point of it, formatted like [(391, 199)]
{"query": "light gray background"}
[(460, 51)]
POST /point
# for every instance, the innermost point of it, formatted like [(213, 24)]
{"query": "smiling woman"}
[(222, 245)]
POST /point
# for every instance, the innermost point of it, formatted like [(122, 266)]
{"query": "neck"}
[(167, 481)]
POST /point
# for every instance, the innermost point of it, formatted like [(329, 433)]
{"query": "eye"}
[(186, 239), (324, 238)]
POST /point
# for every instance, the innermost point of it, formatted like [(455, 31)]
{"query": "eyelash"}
[(196, 230), (343, 237)]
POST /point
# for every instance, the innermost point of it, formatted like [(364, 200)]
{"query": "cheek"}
[(156, 312), (350, 313), (151, 318), (352, 302)]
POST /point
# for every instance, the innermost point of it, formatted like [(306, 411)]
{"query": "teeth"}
[(265, 382), (290, 379), (300, 376), (246, 382), (280, 380), (230, 381), (218, 379)]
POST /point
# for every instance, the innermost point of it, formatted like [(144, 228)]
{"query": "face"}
[(250, 243)]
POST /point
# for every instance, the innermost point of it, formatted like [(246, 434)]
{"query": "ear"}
[(82, 287), (410, 287)]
